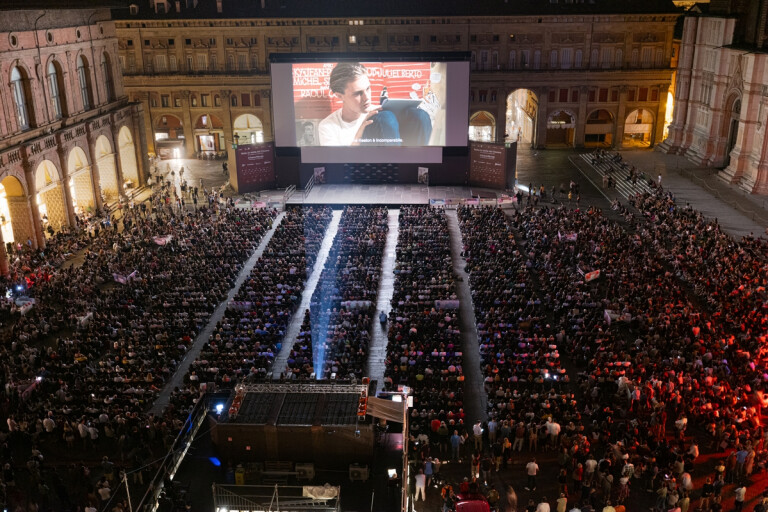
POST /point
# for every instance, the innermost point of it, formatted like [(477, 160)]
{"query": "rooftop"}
[(367, 8)]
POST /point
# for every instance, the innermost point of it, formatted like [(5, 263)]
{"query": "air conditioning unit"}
[(305, 471), (357, 472)]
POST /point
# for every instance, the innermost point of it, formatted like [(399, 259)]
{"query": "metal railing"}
[(175, 455)]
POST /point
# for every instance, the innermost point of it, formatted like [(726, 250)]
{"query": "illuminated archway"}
[(598, 129), (561, 125), (15, 221), (482, 127), (638, 127), (169, 136), (209, 134), (248, 129), (522, 109), (80, 182), (49, 195), (105, 163), (128, 156)]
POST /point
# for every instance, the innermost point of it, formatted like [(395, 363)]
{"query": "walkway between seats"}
[(289, 340), (475, 399), (194, 350), (377, 351)]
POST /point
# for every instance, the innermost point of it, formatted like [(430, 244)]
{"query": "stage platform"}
[(392, 195)]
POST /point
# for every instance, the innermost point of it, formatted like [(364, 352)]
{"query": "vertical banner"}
[(255, 167), (319, 175), (487, 165)]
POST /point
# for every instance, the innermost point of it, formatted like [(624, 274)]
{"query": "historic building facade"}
[(721, 98), (69, 140), (556, 75)]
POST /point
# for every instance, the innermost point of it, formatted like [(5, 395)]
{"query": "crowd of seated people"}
[(343, 303), (245, 342), (670, 336), (424, 348), (518, 345), (83, 365)]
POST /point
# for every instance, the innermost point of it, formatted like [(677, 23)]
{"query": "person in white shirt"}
[(543, 505), (421, 483), (360, 122), (531, 469)]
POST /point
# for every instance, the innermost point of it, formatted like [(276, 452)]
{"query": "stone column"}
[(38, 241), (4, 265), (94, 170), (186, 120), (581, 124), (140, 144), (621, 117), (69, 206), (540, 138), (501, 116), (114, 131), (661, 114), (229, 138), (267, 123)]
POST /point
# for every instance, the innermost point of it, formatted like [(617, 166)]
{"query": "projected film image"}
[(370, 103)]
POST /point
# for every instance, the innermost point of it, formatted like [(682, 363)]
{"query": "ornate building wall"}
[(181, 66), (61, 89), (721, 104)]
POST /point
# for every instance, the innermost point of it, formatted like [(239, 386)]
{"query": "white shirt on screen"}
[(334, 131)]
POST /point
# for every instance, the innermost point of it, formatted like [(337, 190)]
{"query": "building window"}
[(642, 94), (246, 99), (242, 62), (565, 58), (190, 64), (563, 96), (524, 58), (553, 59), (217, 101), (54, 80), (602, 95), (577, 61), (214, 63), (635, 60), (593, 58), (537, 59), (512, 60), (165, 100), (619, 58), (204, 100), (85, 82), (607, 60), (20, 88), (233, 100), (575, 96), (172, 62), (177, 102), (161, 63), (202, 61), (647, 57)]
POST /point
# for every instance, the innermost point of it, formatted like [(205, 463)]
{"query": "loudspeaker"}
[(357, 472), (305, 470)]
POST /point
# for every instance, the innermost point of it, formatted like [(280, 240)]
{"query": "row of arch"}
[(521, 125), (58, 196), (58, 96), (208, 131)]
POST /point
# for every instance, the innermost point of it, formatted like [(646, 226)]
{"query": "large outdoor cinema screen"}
[(339, 109)]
